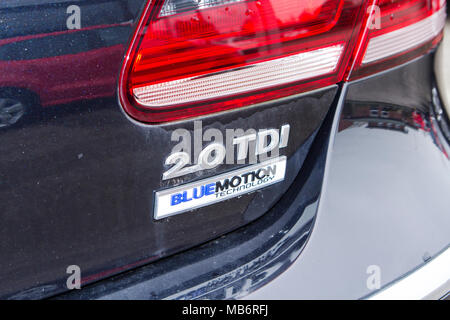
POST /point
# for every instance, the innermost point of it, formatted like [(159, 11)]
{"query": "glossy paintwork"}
[(385, 197), (77, 178), (236, 264), (384, 202)]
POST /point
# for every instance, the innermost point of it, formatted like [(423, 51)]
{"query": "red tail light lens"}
[(193, 57), (400, 31), (190, 58)]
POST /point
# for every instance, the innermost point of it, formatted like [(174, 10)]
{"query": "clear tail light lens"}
[(400, 30), (190, 58)]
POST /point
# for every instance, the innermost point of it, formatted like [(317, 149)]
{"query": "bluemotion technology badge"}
[(219, 188)]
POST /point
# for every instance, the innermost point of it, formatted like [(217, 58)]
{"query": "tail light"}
[(194, 57), (400, 30)]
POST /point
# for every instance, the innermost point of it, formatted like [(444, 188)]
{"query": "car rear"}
[(182, 149)]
